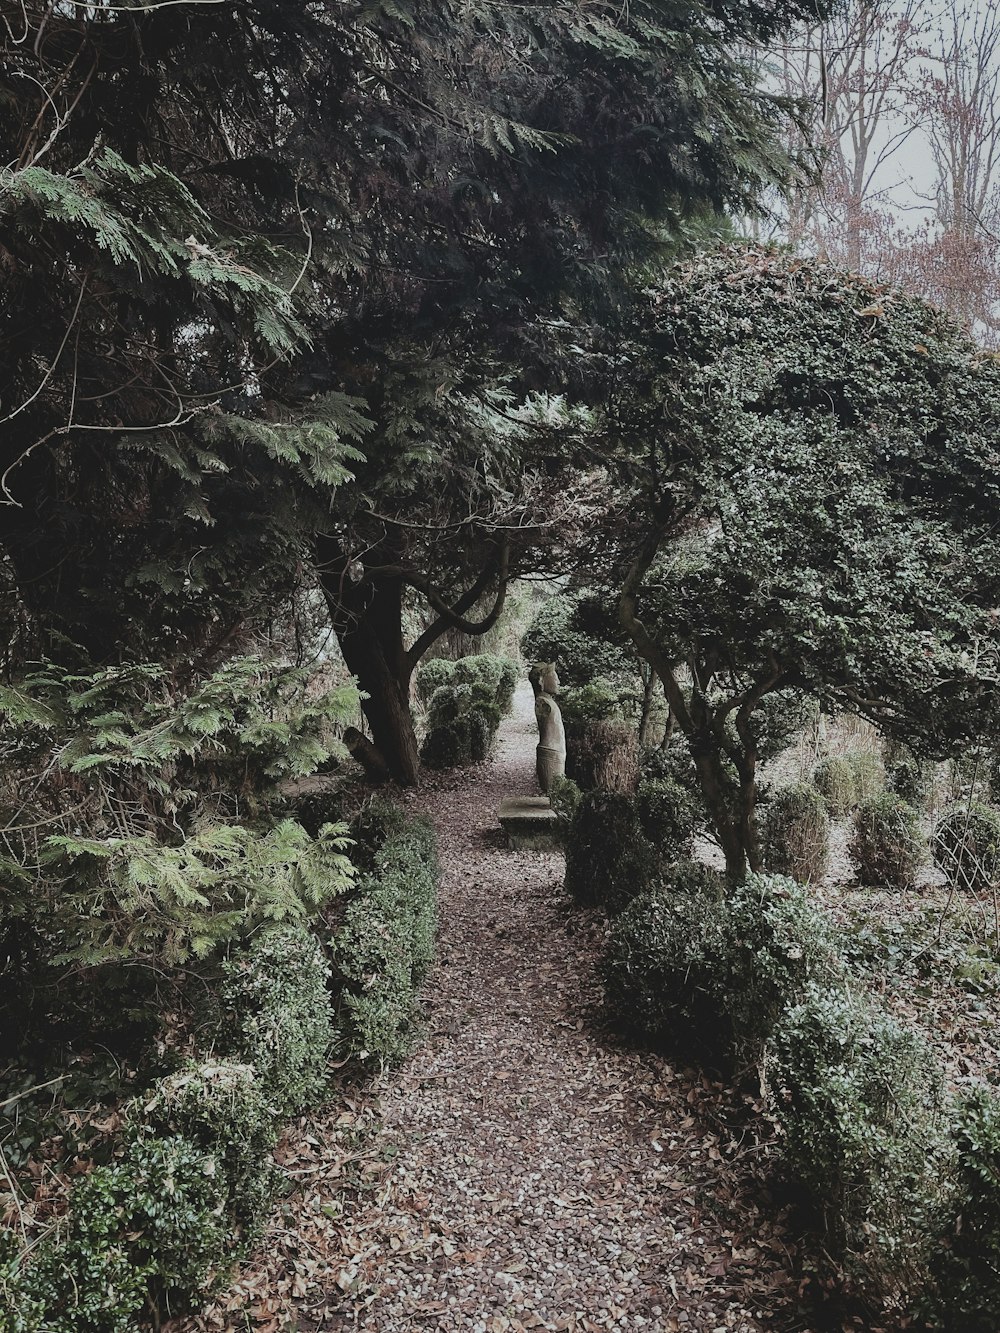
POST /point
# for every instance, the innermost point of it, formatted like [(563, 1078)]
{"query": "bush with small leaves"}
[(661, 970), (966, 846), (964, 1262), (564, 797), (670, 815), (908, 778), (686, 964), (143, 1233), (691, 877), (383, 942), (795, 833), (602, 756), (608, 857), (220, 1108), (278, 1014), (860, 1100), (431, 676), (886, 846)]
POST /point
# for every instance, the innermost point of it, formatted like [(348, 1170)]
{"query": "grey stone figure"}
[(550, 753)]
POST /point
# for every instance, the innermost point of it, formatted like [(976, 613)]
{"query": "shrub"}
[(220, 1108), (463, 718), (779, 943), (383, 944), (144, 1232), (966, 846), (966, 1263), (608, 857), (670, 815), (431, 676), (661, 969), (907, 777), (598, 701), (686, 964), (859, 1099), (796, 833), (848, 780), (314, 809), (557, 635), (886, 846), (602, 756), (495, 677), (693, 878), (278, 1014)]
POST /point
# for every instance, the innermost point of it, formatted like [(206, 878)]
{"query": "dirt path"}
[(546, 1176)]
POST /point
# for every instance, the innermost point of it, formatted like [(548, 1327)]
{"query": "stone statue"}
[(543, 679), (550, 753)]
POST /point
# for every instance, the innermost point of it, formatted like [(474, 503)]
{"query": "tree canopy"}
[(821, 515)]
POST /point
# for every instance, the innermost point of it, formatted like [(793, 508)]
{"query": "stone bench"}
[(530, 823)]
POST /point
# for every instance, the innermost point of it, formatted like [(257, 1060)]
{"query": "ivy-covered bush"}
[(966, 1259), (966, 846), (859, 1098), (219, 1107), (908, 777), (382, 937), (795, 833), (609, 859), (145, 1232), (886, 846), (719, 971), (278, 1014)]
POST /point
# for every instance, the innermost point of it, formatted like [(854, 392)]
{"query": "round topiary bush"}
[(431, 675), (795, 835), (886, 845), (693, 878), (608, 857), (966, 846), (661, 970)]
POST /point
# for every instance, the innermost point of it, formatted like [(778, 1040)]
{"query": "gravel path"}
[(546, 1176)]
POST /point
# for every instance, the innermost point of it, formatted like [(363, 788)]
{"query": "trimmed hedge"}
[(383, 940), (860, 1100), (465, 709), (609, 859)]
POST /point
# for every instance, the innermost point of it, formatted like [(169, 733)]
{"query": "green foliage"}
[(564, 797), (689, 966), (859, 1098), (572, 630), (966, 846), (965, 1260), (463, 716), (886, 846), (142, 1231), (908, 778), (670, 815), (228, 1113), (278, 1015), (660, 969), (608, 857), (597, 701), (796, 833), (384, 943), (163, 867), (431, 674)]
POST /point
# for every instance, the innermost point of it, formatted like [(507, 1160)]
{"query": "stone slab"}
[(529, 822)]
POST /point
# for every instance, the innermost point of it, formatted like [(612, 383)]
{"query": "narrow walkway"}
[(545, 1175)]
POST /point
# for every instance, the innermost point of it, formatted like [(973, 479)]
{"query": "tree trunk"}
[(714, 781), (368, 621)]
